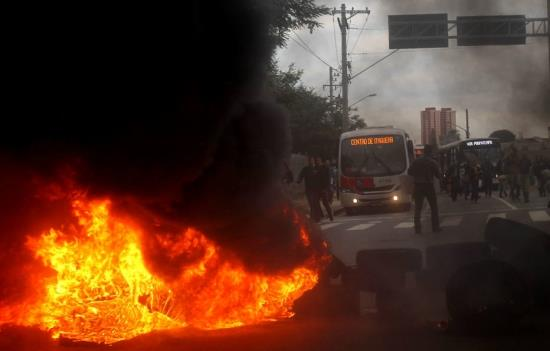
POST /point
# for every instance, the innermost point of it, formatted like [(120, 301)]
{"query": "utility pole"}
[(330, 84), (344, 26), (467, 125)]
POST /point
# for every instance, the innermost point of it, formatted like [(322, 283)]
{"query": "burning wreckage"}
[(147, 195)]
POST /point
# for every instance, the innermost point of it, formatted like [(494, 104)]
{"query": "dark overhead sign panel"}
[(418, 31), (491, 30)]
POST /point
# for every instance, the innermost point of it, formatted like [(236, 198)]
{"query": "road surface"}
[(461, 221)]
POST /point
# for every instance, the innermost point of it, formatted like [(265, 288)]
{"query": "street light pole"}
[(468, 124)]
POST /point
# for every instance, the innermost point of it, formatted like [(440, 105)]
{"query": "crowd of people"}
[(319, 179), (515, 173)]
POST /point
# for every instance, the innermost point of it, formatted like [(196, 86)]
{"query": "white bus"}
[(372, 166)]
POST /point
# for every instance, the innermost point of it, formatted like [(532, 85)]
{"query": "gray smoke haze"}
[(502, 86)]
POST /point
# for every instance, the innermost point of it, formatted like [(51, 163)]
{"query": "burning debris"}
[(149, 197), (101, 290)]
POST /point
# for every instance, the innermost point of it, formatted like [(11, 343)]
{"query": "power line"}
[(375, 63), (308, 49), (361, 32)]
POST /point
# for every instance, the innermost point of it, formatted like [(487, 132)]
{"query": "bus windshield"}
[(373, 156)]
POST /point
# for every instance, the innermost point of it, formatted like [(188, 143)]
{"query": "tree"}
[(504, 135), (315, 122), (288, 15)]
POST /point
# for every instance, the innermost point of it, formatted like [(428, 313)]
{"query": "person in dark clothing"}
[(475, 174), (488, 173), (454, 180), (309, 175), (466, 183), (512, 164), (323, 192), (538, 167), (424, 169), (288, 176), (501, 171), (524, 174)]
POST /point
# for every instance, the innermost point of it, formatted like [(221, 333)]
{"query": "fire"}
[(101, 290)]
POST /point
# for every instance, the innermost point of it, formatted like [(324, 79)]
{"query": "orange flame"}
[(101, 290)]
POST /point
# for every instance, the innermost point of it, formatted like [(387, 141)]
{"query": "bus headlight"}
[(395, 197), (355, 201)]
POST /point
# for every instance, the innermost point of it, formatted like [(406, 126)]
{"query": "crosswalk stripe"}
[(539, 216), (451, 221), (404, 225), (496, 215), (329, 225), (361, 226)]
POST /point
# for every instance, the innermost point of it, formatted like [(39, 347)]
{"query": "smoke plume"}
[(164, 112)]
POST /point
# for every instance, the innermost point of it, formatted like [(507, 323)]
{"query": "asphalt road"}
[(461, 221)]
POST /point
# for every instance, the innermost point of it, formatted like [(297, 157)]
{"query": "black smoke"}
[(163, 110)]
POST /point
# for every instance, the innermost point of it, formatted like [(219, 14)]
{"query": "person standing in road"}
[(512, 164), (475, 173), (454, 179), (501, 177), (538, 167), (488, 173), (309, 175), (424, 169), (466, 173), (524, 175), (323, 192)]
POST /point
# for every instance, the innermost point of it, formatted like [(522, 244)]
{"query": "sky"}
[(503, 87)]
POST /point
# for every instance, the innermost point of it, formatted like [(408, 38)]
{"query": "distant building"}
[(435, 124)]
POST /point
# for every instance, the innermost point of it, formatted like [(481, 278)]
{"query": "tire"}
[(406, 207), (350, 211)]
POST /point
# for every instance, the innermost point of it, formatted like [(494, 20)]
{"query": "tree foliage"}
[(288, 15), (504, 135), (315, 122)]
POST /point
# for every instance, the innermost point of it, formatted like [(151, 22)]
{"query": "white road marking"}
[(506, 203), (496, 215), (362, 226), (539, 216), (329, 225), (405, 225), (451, 221)]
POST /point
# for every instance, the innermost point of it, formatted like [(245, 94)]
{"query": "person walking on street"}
[(288, 176), (488, 173), (466, 184), (475, 174), (501, 177), (424, 169), (323, 193), (309, 175), (512, 163), (454, 180), (538, 167), (524, 175)]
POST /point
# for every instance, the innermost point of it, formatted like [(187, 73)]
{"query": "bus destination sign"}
[(378, 140), (479, 143)]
